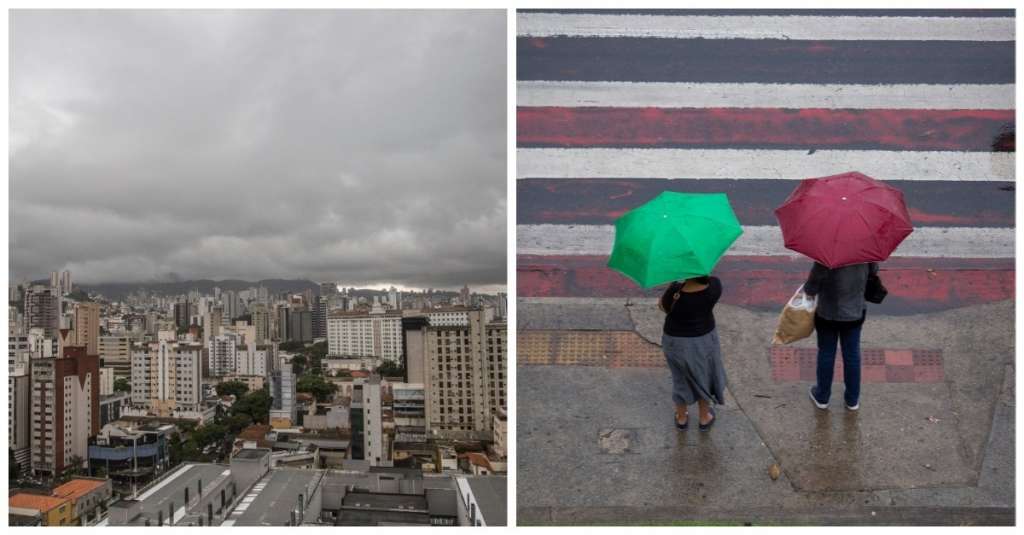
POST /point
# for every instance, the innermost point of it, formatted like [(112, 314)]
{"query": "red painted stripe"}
[(915, 284), (954, 130)]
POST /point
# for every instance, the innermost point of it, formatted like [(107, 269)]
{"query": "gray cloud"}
[(360, 146)]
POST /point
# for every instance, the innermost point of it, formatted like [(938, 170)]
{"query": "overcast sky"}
[(366, 147)]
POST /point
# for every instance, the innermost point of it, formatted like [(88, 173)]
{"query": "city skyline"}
[(158, 146)]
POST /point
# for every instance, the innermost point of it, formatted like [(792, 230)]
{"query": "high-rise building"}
[(261, 322), (300, 328), (42, 309), (19, 416), (65, 282), (361, 334), (166, 376), (115, 353), (182, 314), (368, 439), (87, 326), (254, 360), (464, 296), (65, 409), (319, 316), (55, 280), (222, 351), (106, 381), (282, 323), (283, 411), (502, 305), (466, 374)]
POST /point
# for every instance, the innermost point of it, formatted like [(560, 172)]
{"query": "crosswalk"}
[(615, 107)]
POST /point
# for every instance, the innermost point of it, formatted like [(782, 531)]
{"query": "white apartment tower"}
[(361, 334), (167, 377)]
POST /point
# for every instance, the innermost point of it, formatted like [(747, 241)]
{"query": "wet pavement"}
[(596, 442)]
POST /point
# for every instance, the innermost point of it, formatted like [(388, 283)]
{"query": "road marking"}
[(753, 95), (814, 28), (759, 164), (924, 242)]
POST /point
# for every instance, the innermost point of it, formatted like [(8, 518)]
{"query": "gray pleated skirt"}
[(696, 365)]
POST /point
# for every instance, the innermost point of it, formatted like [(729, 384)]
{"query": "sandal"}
[(681, 426), (707, 426)]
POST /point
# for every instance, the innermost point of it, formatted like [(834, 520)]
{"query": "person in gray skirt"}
[(690, 343)]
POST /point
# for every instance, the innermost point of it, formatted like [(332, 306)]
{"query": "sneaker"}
[(820, 405), (852, 407)]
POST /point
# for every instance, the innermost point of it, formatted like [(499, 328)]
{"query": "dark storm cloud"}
[(359, 146)]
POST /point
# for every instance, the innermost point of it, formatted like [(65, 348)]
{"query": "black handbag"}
[(875, 291)]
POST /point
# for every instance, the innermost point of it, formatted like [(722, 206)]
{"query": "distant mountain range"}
[(119, 291)]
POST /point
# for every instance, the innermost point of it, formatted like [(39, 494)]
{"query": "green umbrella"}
[(674, 236)]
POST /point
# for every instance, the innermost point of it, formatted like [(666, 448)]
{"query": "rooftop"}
[(491, 495), (76, 488), (35, 501), (271, 501)]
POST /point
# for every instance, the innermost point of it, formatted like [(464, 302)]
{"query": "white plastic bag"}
[(796, 321)]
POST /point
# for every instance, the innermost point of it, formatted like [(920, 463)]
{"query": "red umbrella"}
[(844, 219)]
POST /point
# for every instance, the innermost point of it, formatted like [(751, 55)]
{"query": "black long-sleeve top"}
[(691, 314)]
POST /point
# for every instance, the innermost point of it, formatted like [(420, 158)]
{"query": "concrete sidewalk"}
[(932, 443)]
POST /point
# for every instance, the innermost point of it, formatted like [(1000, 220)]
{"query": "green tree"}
[(291, 346), (321, 389), (299, 364), (391, 369), (122, 384), (232, 388), (254, 405)]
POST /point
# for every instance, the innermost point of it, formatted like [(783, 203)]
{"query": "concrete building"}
[(65, 409), (361, 334), (19, 417), (130, 456), (113, 406), (409, 412), (466, 369), (115, 353), (500, 445), (222, 350), (484, 499), (50, 510), (283, 410), (88, 498), (319, 316), (87, 326), (42, 309), (457, 316), (166, 378), (300, 326), (261, 323), (366, 415), (106, 381), (182, 314)]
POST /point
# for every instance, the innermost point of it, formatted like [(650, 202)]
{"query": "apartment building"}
[(166, 377), (65, 409), (377, 333)]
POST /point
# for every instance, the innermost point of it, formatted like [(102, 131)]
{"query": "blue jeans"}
[(828, 337)]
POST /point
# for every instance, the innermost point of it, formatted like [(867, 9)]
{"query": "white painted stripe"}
[(714, 95), (841, 28), (754, 164), (927, 242)]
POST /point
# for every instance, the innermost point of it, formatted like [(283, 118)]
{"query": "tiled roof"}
[(76, 488), (36, 501)]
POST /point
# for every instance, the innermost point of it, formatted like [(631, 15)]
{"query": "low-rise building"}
[(88, 497), (52, 511)]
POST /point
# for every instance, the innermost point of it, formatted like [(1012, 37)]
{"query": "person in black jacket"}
[(838, 319), (691, 346)]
